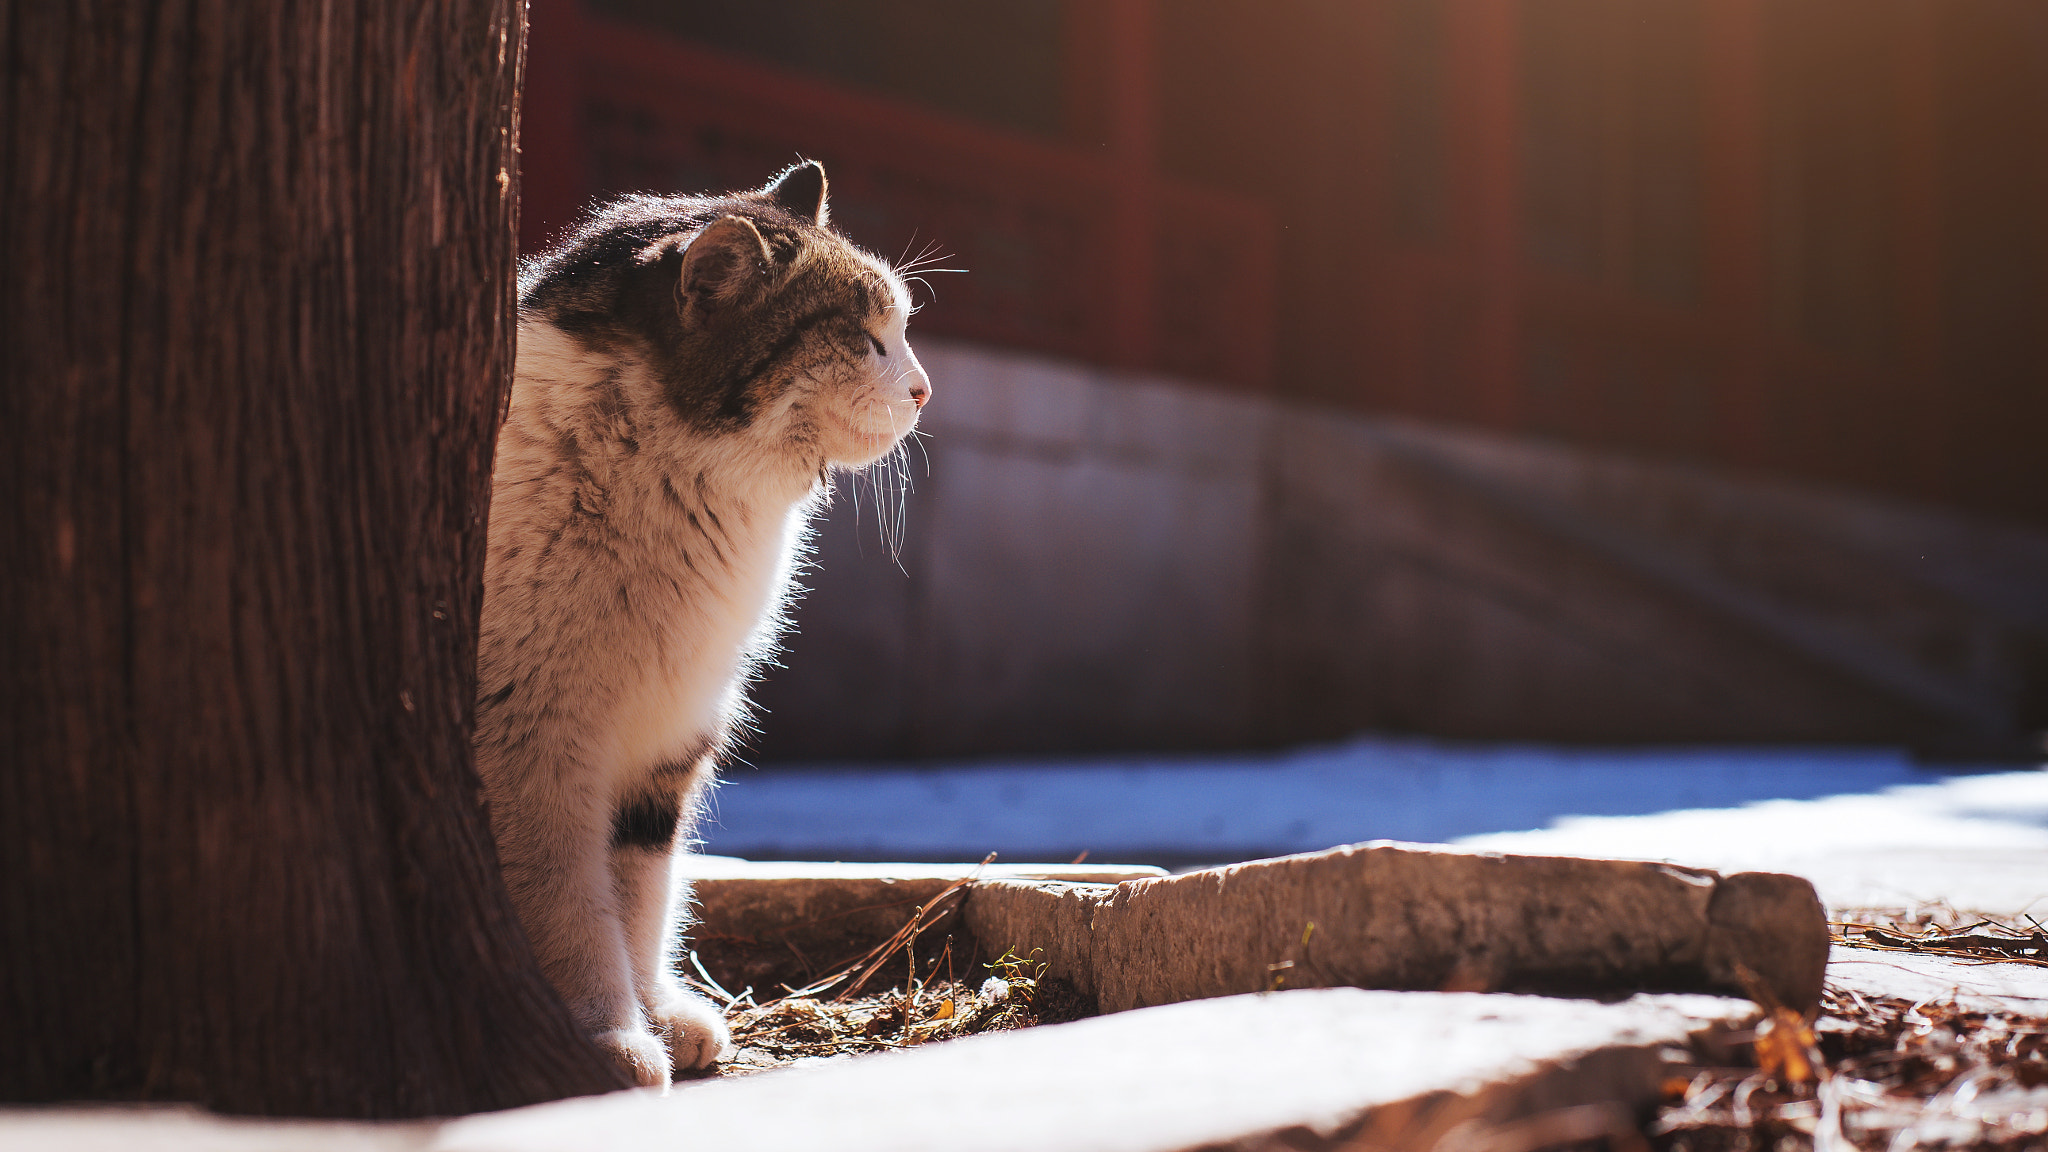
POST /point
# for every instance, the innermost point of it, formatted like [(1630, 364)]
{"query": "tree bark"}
[(256, 336)]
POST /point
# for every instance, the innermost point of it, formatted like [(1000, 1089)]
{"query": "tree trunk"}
[(257, 331)]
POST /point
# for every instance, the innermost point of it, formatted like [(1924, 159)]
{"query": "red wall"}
[(1803, 236), (1080, 252)]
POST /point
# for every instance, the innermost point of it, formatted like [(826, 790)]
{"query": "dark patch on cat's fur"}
[(647, 821), (716, 524), (734, 388), (616, 286), (699, 526)]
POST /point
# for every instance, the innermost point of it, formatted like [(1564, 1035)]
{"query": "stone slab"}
[(1420, 917), (1301, 1069), (1379, 915), (1307, 1069), (2015, 989)]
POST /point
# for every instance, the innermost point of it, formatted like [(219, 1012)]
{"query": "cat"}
[(690, 371)]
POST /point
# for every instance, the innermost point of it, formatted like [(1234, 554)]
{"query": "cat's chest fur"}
[(641, 566)]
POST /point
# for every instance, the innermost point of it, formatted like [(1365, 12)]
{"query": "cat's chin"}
[(854, 461), (860, 447)]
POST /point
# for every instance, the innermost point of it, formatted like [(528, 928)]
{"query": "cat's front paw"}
[(640, 1053), (696, 1030)]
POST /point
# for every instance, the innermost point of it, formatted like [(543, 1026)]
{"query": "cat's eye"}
[(876, 341)]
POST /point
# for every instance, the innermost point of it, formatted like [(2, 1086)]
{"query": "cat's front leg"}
[(558, 870), (652, 900)]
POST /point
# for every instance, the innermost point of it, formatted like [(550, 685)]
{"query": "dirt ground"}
[(1888, 1073)]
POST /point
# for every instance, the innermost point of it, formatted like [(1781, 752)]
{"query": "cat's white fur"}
[(640, 648)]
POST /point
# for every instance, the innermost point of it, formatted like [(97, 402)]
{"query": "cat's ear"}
[(801, 191), (725, 265)]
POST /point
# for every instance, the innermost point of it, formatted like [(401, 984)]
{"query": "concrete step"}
[(1305, 1069), (1381, 915)]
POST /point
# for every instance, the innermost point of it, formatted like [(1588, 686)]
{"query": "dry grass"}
[(861, 1007), (1940, 930), (797, 1028)]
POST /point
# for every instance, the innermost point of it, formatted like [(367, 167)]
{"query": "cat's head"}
[(758, 318)]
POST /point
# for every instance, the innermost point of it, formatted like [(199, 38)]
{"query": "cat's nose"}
[(919, 394)]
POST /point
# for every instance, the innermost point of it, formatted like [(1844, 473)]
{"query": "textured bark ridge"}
[(256, 331)]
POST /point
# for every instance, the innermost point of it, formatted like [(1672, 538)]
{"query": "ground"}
[(1912, 861)]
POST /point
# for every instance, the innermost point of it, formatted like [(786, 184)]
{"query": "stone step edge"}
[(1374, 915)]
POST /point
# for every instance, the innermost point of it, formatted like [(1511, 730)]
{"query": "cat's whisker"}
[(853, 493), (928, 254), (917, 276), (901, 460), (918, 436)]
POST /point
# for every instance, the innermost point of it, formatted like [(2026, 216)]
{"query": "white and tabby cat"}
[(690, 370)]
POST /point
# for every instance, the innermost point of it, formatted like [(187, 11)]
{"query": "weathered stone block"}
[(1408, 917), (1310, 1069)]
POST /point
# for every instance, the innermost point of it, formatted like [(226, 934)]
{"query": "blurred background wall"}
[(1597, 370)]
